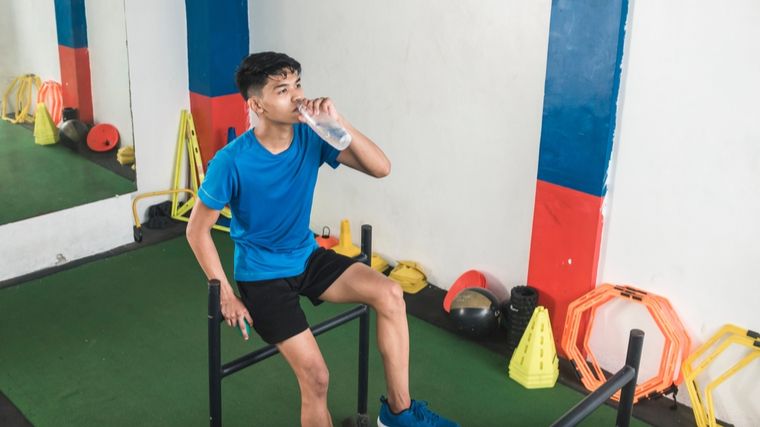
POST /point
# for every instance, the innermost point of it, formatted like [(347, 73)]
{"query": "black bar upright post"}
[(597, 397), (633, 359), (624, 379), (363, 397), (363, 361), (367, 243), (214, 355)]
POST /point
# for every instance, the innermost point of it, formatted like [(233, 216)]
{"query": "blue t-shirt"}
[(270, 196)]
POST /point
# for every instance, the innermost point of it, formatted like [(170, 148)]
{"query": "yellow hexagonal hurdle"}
[(704, 410)]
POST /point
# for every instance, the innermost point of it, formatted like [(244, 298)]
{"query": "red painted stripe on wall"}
[(564, 249), (76, 83)]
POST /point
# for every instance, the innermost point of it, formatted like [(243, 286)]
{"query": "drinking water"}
[(327, 128)]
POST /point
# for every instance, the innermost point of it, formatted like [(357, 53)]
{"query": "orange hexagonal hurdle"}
[(674, 352)]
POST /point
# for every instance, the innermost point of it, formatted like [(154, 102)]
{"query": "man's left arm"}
[(362, 154)]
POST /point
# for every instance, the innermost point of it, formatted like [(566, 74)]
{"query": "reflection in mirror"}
[(77, 50)]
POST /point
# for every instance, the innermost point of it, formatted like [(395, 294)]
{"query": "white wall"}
[(28, 42), (452, 92), (683, 206), (109, 66), (53, 239), (157, 34)]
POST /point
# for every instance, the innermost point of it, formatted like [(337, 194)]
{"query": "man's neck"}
[(275, 137)]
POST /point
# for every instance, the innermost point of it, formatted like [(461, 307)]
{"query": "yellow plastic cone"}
[(45, 131), (534, 363), (378, 263), (409, 275), (126, 155), (344, 246)]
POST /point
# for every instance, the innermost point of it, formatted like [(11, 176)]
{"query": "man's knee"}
[(317, 380), (391, 299)]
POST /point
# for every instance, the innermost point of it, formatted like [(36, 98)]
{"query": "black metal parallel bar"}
[(363, 362), (270, 350), (367, 243), (214, 355), (632, 360), (217, 371), (363, 395), (624, 378), (595, 399)]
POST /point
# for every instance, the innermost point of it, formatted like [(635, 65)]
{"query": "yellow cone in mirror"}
[(45, 131)]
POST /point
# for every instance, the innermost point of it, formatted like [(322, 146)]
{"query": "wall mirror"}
[(81, 45)]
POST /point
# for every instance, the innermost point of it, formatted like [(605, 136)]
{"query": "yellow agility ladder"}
[(187, 136), (23, 98)]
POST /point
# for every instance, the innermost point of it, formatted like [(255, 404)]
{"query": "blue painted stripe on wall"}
[(71, 23), (217, 40), (580, 96)]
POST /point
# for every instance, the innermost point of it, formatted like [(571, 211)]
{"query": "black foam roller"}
[(523, 301)]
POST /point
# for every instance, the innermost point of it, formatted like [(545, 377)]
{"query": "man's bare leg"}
[(361, 284), (304, 357)]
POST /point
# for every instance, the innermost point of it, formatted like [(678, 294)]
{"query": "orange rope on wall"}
[(675, 351)]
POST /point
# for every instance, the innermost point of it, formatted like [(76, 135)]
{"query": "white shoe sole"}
[(379, 423)]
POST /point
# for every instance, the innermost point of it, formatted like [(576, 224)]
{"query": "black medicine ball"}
[(475, 312), (74, 131)]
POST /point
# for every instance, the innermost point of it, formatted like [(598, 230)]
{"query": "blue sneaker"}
[(418, 415)]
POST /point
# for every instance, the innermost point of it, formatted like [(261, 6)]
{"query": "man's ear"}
[(254, 103)]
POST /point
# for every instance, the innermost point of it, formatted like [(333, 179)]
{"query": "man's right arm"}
[(202, 219)]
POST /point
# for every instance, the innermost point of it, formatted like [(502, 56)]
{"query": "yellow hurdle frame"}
[(704, 410), (187, 136), (21, 112)]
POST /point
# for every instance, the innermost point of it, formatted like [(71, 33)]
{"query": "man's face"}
[(280, 98)]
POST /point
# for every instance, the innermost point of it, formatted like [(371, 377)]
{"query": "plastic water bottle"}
[(327, 128)]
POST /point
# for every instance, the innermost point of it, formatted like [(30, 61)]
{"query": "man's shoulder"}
[(241, 143), (236, 147)]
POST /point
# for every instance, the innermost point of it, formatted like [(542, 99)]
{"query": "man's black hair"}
[(252, 74)]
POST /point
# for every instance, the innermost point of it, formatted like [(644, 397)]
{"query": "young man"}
[(267, 176)]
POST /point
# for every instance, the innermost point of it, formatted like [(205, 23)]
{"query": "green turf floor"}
[(122, 342), (38, 179)]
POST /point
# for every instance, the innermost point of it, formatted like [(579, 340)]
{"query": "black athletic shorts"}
[(274, 304)]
